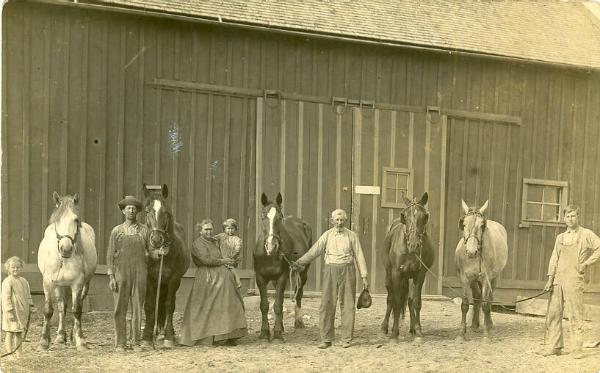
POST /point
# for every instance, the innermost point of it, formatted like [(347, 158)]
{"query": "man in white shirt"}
[(574, 250), (341, 248)]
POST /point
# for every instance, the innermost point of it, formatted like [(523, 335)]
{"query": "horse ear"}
[(145, 191), (423, 200), (164, 191), (406, 200), (484, 207), (56, 198), (76, 198), (263, 199), (461, 223), (279, 199), (464, 206)]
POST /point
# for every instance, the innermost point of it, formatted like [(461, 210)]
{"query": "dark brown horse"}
[(167, 240), (408, 253), (280, 242)]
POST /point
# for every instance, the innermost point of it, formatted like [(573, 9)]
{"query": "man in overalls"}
[(126, 259), (574, 251)]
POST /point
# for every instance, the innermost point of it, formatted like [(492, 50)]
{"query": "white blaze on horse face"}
[(67, 226), (156, 207), (472, 234), (271, 215)]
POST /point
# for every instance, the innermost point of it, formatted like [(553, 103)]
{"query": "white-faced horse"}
[(67, 258), (480, 256)]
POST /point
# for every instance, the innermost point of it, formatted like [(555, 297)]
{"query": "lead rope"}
[(292, 272)]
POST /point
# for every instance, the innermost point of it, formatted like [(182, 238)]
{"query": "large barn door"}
[(304, 151), (395, 153), (480, 167)]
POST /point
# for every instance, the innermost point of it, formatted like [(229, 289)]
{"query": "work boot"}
[(550, 352), (324, 345)]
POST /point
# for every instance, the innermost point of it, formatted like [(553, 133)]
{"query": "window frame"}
[(384, 193), (563, 187)]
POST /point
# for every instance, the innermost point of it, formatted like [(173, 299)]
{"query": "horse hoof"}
[(168, 344), (264, 334), (43, 346), (475, 329), (277, 337), (298, 324), (460, 338), (82, 347), (486, 339), (418, 340), (384, 330), (60, 339), (146, 345)]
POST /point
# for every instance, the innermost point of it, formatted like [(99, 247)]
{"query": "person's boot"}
[(324, 345)]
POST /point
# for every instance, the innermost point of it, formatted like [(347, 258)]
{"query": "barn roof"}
[(554, 31)]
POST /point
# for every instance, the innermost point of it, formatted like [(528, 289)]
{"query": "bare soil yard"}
[(516, 338)]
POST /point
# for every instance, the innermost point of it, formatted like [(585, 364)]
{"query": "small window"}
[(543, 202), (395, 184)]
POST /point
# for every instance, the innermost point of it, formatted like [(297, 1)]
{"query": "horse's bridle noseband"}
[(472, 234), (61, 236), (413, 228)]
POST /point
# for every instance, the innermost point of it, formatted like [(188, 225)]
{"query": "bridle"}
[(472, 233), (61, 236), (164, 234), (410, 230)]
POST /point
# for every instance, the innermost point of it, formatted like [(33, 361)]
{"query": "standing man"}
[(341, 248), (126, 259), (574, 251)]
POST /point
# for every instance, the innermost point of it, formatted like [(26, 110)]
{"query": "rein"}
[(413, 229), (292, 272)]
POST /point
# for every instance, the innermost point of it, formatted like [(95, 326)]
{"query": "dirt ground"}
[(516, 338)]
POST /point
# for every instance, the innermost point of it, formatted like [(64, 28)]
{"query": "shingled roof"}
[(554, 31)]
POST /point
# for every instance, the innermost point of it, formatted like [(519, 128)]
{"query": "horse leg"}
[(265, 333), (298, 322), (386, 319), (149, 304), (76, 293), (61, 334), (414, 302), (477, 297), (399, 289), (464, 307), (488, 297), (173, 285), (48, 311), (278, 307)]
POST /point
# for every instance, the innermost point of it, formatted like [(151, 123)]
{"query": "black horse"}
[(280, 242), (167, 240), (408, 253)]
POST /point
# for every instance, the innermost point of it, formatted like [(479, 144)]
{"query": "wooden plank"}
[(46, 121), (226, 158), (338, 160), (140, 115), (320, 182), (442, 211), (411, 152), (392, 157), (427, 150), (282, 148), (259, 161), (209, 151), (356, 169), (121, 113), (300, 158), (64, 86), (375, 201)]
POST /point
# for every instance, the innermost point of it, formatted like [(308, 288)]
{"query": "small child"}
[(230, 245), (16, 305)]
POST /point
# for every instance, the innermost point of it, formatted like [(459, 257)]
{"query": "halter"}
[(413, 227), (472, 234), (275, 236), (61, 236)]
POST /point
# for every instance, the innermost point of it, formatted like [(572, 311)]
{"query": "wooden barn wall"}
[(79, 115)]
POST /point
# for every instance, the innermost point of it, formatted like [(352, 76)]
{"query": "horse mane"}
[(66, 202)]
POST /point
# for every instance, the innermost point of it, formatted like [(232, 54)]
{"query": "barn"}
[(333, 103)]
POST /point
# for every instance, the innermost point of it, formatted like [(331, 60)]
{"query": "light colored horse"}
[(480, 256), (67, 258)]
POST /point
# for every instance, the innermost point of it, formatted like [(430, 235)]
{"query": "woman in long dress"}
[(215, 309)]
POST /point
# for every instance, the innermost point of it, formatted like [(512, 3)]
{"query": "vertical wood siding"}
[(80, 116)]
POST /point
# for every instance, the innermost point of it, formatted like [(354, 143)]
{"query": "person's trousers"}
[(129, 288), (339, 282), (570, 297)]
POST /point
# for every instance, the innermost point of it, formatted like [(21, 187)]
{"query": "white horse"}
[(67, 258), (480, 256)]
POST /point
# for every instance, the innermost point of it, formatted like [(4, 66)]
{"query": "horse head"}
[(414, 217), (473, 224), (66, 222), (271, 218), (158, 217)]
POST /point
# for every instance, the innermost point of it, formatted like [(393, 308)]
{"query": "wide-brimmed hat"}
[(130, 201)]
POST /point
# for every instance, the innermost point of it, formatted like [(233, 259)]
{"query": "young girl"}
[(230, 245), (16, 305)]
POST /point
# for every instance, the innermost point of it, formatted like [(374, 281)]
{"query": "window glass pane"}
[(391, 179), (551, 212), (534, 211), (552, 194), (390, 195), (402, 181), (399, 194), (534, 193)]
